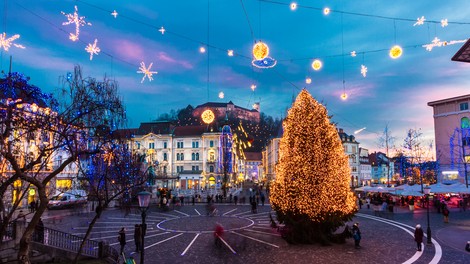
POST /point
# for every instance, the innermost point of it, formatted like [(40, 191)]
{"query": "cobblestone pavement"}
[(184, 235)]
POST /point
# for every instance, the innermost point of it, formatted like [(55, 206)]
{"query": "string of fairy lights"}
[(260, 52)]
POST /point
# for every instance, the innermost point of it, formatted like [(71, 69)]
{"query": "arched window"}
[(465, 122), (193, 156), (197, 156)]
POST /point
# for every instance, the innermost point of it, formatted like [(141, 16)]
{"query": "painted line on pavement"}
[(121, 222), (181, 212), (197, 211), (225, 242), (164, 240), (255, 239), (229, 211), (261, 232), (438, 249), (242, 213), (190, 244)]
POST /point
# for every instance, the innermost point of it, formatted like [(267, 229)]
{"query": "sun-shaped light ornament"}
[(208, 116), (260, 50), (317, 64), (396, 52), (344, 96)]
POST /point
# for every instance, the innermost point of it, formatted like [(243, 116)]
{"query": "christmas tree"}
[(311, 193)]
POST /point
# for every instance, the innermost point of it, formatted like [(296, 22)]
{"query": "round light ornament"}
[(396, 52), (308, 80), (208, 116), (316, 65), (326, 11), (344, 96), (221, 95), (260, 50)]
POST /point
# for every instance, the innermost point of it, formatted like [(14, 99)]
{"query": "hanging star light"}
[(395, 52), (221, 95), (419, 21), (293, 6), (363, 70), (253, 87), (6, 43), (162, 30), (317, 64), (146, 71), (77, 20), (260, 50), (353, 53), (114, 14), (436, 42), (230, 53), (444, 23), (92, 49), (326, 11)]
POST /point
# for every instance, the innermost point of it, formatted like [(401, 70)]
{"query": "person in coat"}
[(356, 233), (122, 239), (419, 236)]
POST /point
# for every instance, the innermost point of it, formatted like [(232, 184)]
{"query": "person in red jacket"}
[(419, 236)]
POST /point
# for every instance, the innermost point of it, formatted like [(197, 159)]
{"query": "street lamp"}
[(144, 200), (427, 190)]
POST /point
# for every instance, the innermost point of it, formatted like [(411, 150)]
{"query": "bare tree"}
[(36, 129), (387, 141)]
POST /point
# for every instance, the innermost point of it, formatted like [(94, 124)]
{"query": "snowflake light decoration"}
[(115, 14), (444, 23), (353, 53), (146, 71), (363, 70), (436, 42), (77, 20), (162, 30), (253, 87), (6, 43), (419, 21), (92, 49)]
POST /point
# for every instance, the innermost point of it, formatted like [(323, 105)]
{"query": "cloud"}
[(128, 50), (163, 56)]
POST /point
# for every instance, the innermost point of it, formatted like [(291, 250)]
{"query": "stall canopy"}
[(449, 188)]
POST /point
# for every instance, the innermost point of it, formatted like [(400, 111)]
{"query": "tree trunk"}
[(99, 210), (25, 241)]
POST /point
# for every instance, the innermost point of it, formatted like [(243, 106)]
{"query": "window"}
[(179, 156), (179, 168), (211, 143), (465, 122), (463, 106), (353, 149), (182, 156), (164, 169), (197, 156), (151, 145), (195, 168), (138, 144), (211, 168), (195, 144), (179, 144), (345, 148), (165, 156), (165, 144), (211, 156), (193, 156)]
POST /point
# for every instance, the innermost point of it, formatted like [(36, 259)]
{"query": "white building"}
[(351, 149), (365, 168)]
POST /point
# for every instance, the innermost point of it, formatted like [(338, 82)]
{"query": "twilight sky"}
[(394, 92)]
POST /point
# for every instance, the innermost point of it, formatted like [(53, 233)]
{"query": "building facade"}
[(222, 110), (351, 149), (365, 168), (452, 137)]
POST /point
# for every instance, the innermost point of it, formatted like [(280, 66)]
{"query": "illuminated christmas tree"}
[(311, 194)]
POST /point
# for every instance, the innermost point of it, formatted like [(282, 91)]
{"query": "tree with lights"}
[(42, 136), (311, 193)]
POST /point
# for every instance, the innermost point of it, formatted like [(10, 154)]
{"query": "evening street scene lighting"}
[(251, 131)]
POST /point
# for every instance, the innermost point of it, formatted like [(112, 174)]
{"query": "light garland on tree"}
[(419, 21), (93, 49), (436, 42), (77, 20), (146, 71), (313, 174), (6, 43)]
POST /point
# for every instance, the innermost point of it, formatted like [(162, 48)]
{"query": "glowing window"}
[(465, 122)]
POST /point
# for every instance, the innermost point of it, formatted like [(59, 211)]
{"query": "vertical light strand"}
[(342, 55), (208, 74)]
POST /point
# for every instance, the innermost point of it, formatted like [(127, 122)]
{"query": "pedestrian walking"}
[(122, 238), (262, 199), (446, 212), (138, 237), (32, 206), (235, 198), (356, 235), (419, 236), (368, 202), (360, 203)]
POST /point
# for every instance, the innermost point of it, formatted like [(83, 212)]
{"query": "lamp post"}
[(144, 200), (427, 190)]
